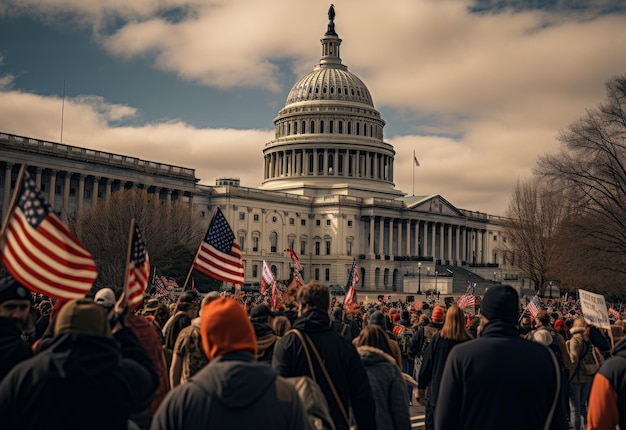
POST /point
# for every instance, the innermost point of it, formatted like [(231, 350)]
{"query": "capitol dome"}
[(329, 136)]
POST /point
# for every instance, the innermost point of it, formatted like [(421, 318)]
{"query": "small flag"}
[(160, 287), (353, 279), (41, 252), (138, 269), (466, 301), (417, 163), (294, 258), (615, 313), (267, 278), (534, 306), (219, 255)]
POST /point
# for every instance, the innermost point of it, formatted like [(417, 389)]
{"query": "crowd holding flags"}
[(138, 268), (534, 306), (468, 300), (219, 255), (353, 278), (39, 250)]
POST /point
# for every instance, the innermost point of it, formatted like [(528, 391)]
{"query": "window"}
[(303, 127), (327, 222), (242, 216), (242, 240), (317, 248), (349, 127), (312, 127), (327, 274), (317, 274), (292, 221), (350, 223), (255, 244), (495, 238), (340, 127), (255, 270), (302, 222), (256, 217), (302, 247), (332, 126), (328, 247), (321, 126), (295, 128), (273, 241), (291, 243), (274, 219), (318, 222), (349, 248)]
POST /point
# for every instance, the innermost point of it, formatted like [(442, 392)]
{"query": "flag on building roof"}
[(294, 258), (40, 251), (267, 278), (219, 255), (417, 163), (137, 269), (353, 278), (534, 306)]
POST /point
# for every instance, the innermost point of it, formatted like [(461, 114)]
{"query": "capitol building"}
[(328, 193)]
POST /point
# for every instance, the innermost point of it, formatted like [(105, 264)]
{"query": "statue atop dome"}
[(331, 19)]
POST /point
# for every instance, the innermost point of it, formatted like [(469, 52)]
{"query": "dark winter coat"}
[(419, 338), (607, 401), (342, 363), (13, 349), (494, 381), (388, 388), (233, 391), (80, 381), (265, 341)]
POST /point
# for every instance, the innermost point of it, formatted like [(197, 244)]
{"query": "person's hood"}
[(313, 321), (81, 357), (620, 348), (576, 330), (371, 356), (499, 328), (236, 380)]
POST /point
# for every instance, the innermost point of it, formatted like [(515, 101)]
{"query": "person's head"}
[(84, 316), (500, 303), (15, 302), (405, 315), (374, 336), (559, 325), (226, 328), (281, 325), (543, 318), (526, 323), (337, 314), (579, 323), (438, 314), (378, 319), (262, 313), (313, 296), (455, 327), (105, 297)]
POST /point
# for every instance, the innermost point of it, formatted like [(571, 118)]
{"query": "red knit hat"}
[(225, 327), (395, 317), (438, 315)]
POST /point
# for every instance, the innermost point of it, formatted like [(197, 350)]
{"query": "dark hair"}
[(543, 317), (315, 295), (373, 335)]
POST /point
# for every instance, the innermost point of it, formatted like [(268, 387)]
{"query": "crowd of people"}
[(215, 360)]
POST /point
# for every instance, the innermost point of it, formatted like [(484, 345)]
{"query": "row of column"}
[(66, 177), (429, 238), (329, 162)]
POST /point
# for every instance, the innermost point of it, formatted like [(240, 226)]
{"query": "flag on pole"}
[(615, 313), (353, 278), (294, 258), (160, 287), (138, 268), (534, 306), (219, 255), (41, 252), (267, 278), (417, 163), (466, 301)]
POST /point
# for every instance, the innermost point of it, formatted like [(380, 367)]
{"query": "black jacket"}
[(498, 381), (13, 348), (342, 363), (234, 392), (431, 370), (80, 381)]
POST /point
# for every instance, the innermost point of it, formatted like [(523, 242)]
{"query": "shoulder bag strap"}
[(557, 392), (328, 379), (306, 351)]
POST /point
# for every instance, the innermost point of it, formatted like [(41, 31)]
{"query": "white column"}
[(407, 248), (381, 237), (315, 162), (372, 225), (457, 254), (107, 192), (433, 232), (53, 186), (81, 192), (390, 238), (38, 177), (449, 254), (94, 191)]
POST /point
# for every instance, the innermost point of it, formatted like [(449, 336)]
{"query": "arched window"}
[(273, 241), (295, 127), (310, 162), (312, 129), (320, 162), (340, 127), (322, 126), (332, 124), (288, 129), (358, 128), (303, 127), (331, 163)]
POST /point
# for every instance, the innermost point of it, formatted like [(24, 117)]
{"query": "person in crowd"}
[(378, 319), (355, 319), (526, 326), (234, 390), (89, 377), (607, 400), (584, 367), (281, 325), (451, 334), (157, 313), (561, 329), (186, 310), (336, 322), (600, 340), (15, 303), (105, 297), (481, 377), (404, 336), (339, 357), (262, 318), (424, 335), (385, 378)]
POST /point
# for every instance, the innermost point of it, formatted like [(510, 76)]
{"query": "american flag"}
[(41, 252), (417, 163), (275, 297), (267, 278), (534, 306), (160, 286), (466, 301), (170, 283), (138, 268), (615, 313), (353, 279), (294, 258), (219, 255)]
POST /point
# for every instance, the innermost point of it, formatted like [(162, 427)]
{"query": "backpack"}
[(404, 341), (429, 332), (314, 402)]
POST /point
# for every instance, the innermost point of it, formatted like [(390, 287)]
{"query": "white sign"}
[(594, 309)]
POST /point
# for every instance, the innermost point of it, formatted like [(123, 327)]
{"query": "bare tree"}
[(592, 163), (171, 231), (533, 217)]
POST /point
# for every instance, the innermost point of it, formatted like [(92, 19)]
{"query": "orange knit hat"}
[(438, 314), (225, 327)]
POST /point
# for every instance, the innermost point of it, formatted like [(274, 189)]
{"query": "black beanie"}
[(11, 289), (377, 318), (500, 303)]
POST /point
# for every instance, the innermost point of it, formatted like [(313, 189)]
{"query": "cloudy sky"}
[(479, 89)]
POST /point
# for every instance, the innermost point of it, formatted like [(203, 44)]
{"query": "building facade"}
[(328, 192)]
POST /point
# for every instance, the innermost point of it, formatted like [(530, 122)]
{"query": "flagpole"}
[(128, 251), (18, 186), (413, 172)]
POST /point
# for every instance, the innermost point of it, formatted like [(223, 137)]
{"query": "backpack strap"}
[(306, 351), (556, 393)]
